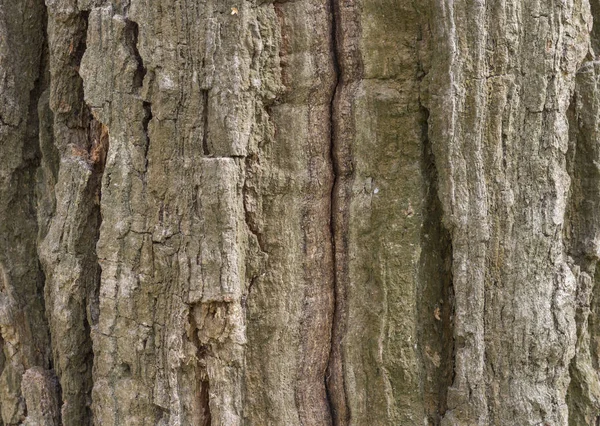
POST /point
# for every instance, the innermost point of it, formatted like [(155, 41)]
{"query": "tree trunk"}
[(308, 212)]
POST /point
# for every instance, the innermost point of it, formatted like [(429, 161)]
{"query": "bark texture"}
[(306, 212)]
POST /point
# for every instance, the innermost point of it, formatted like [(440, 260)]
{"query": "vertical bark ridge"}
[(146, 343), (24, 335), (68, 249), (457, 165), (581, 234), (178, 255), (498, 120), (582, 239), (290, 325), (378, 369)]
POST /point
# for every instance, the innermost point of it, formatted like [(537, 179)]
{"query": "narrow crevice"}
[(88, 415), (145, 123), (257, 246), (203, 382), (205, 148), (334, 380), (77, 48), (249, 194), (47, 161), (99, 142), (131, 40), (204, 402), (257, 243), (435, 292)]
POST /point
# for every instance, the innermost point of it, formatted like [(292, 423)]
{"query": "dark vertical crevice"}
[(77, 48), (256, 238), (249, 194), (202, 382), (205, 147), (204, 401), (46, 177), (33, 158), (334, 379), (334, 167), (145, 123), (131, 40), (86, 247), (435, 293), (99, 148)]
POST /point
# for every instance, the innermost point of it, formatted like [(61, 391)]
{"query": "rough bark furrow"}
[(435, 299), (347, 28), (334, 387)]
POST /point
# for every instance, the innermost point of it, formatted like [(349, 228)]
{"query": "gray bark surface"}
[(305, 212)]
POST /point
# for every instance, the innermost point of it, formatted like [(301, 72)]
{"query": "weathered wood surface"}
[(301, 212)]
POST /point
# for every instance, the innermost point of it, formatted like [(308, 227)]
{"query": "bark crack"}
[(131, 40), (436, 293), (145, 122), (205, 148), (334, 357)]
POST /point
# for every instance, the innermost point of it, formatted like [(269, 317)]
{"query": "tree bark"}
[(308, 212)]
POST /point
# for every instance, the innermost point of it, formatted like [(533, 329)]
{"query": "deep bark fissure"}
[(131, 40), (145, 123), (41, 84), (203, 385), (78, 50), (249, 193), (435, 296), (205, 147), (257, 243), (435, 293), (334, 168), (334, 386)]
